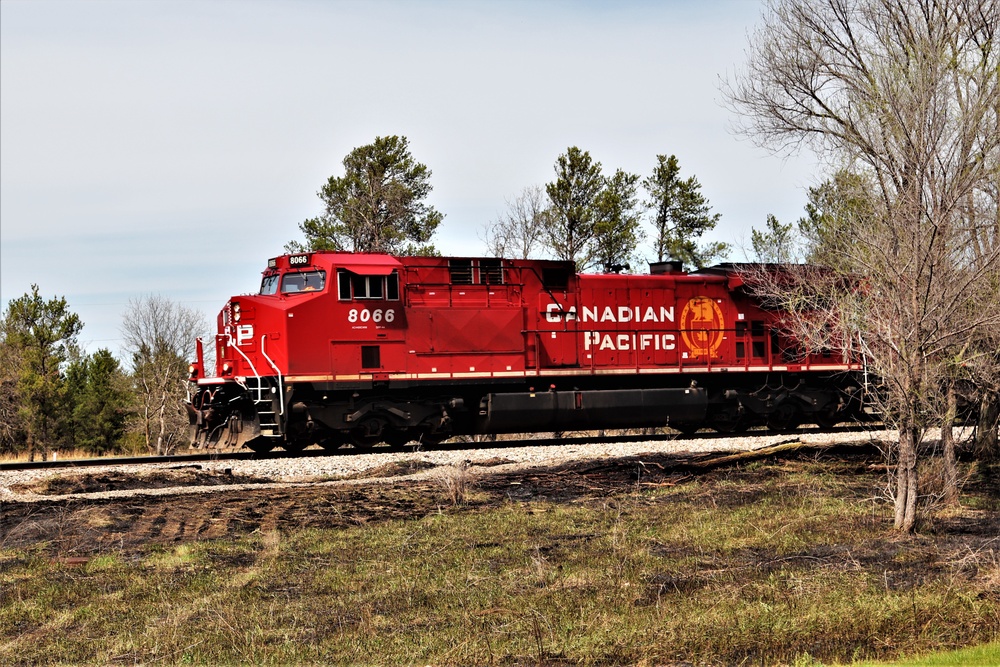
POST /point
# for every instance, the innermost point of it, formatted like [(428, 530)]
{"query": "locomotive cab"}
[(315, 315)]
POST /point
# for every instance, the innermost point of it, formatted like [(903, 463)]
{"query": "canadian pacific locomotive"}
[(359, 349)]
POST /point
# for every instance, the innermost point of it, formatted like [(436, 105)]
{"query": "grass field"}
[(986, 655), (784, 562)]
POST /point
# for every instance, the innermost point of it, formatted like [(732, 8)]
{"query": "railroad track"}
[(445, 446)]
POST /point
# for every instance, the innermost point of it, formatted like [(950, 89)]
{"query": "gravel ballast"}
[(348, 469)]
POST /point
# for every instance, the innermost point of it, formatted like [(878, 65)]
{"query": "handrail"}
[(245, 357), (281, 384)]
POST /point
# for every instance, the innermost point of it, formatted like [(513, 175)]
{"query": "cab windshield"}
[(270, 284), (303, 281)]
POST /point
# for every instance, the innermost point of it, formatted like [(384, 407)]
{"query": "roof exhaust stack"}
[(667, 267)]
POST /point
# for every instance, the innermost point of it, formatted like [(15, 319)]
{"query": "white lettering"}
[(550, 311), (244, 334), (617, 314), (628, 341), (364, 315), (554, 310)]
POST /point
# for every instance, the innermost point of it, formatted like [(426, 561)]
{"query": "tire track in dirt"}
[(93, 525)]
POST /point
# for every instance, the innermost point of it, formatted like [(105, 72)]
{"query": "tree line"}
[(56, 397), (596, 220), (583, 215)]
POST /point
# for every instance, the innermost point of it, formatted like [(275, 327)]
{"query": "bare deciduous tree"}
[(160, 340), (906, 95), (519, 233)]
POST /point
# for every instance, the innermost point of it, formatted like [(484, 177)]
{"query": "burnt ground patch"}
[(71, 527), (189, 475), (397, 469)]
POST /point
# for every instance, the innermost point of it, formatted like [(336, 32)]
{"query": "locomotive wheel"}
[(433, 438), (785, 418), (295, 446), (828, 418), (368, 433), (729, 422)]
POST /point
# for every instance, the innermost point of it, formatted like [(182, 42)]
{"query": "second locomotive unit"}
[(360, 349)]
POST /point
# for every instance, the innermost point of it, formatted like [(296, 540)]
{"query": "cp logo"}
[(702, 326), (244, 334)]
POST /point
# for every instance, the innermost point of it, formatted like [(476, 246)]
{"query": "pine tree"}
[(378, 205), (681, 216)]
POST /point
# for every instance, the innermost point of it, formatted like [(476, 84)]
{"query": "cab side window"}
[(353, 286)]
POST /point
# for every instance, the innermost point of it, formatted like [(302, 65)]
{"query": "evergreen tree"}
[(574, 212), (42, 334), (833, 206), (681, 216), (617, 232), (378, 205), (776, 243), (13, 431), (100, 402)]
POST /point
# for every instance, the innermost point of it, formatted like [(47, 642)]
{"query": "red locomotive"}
[(360, 349)]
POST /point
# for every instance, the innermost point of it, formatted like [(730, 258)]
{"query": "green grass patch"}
[(986, 655)]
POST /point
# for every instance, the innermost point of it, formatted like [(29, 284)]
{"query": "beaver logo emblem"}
[(702, 326)]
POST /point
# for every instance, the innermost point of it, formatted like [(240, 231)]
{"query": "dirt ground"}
[(73, 528)]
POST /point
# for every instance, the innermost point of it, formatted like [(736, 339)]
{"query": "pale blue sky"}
[(172, 147)]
